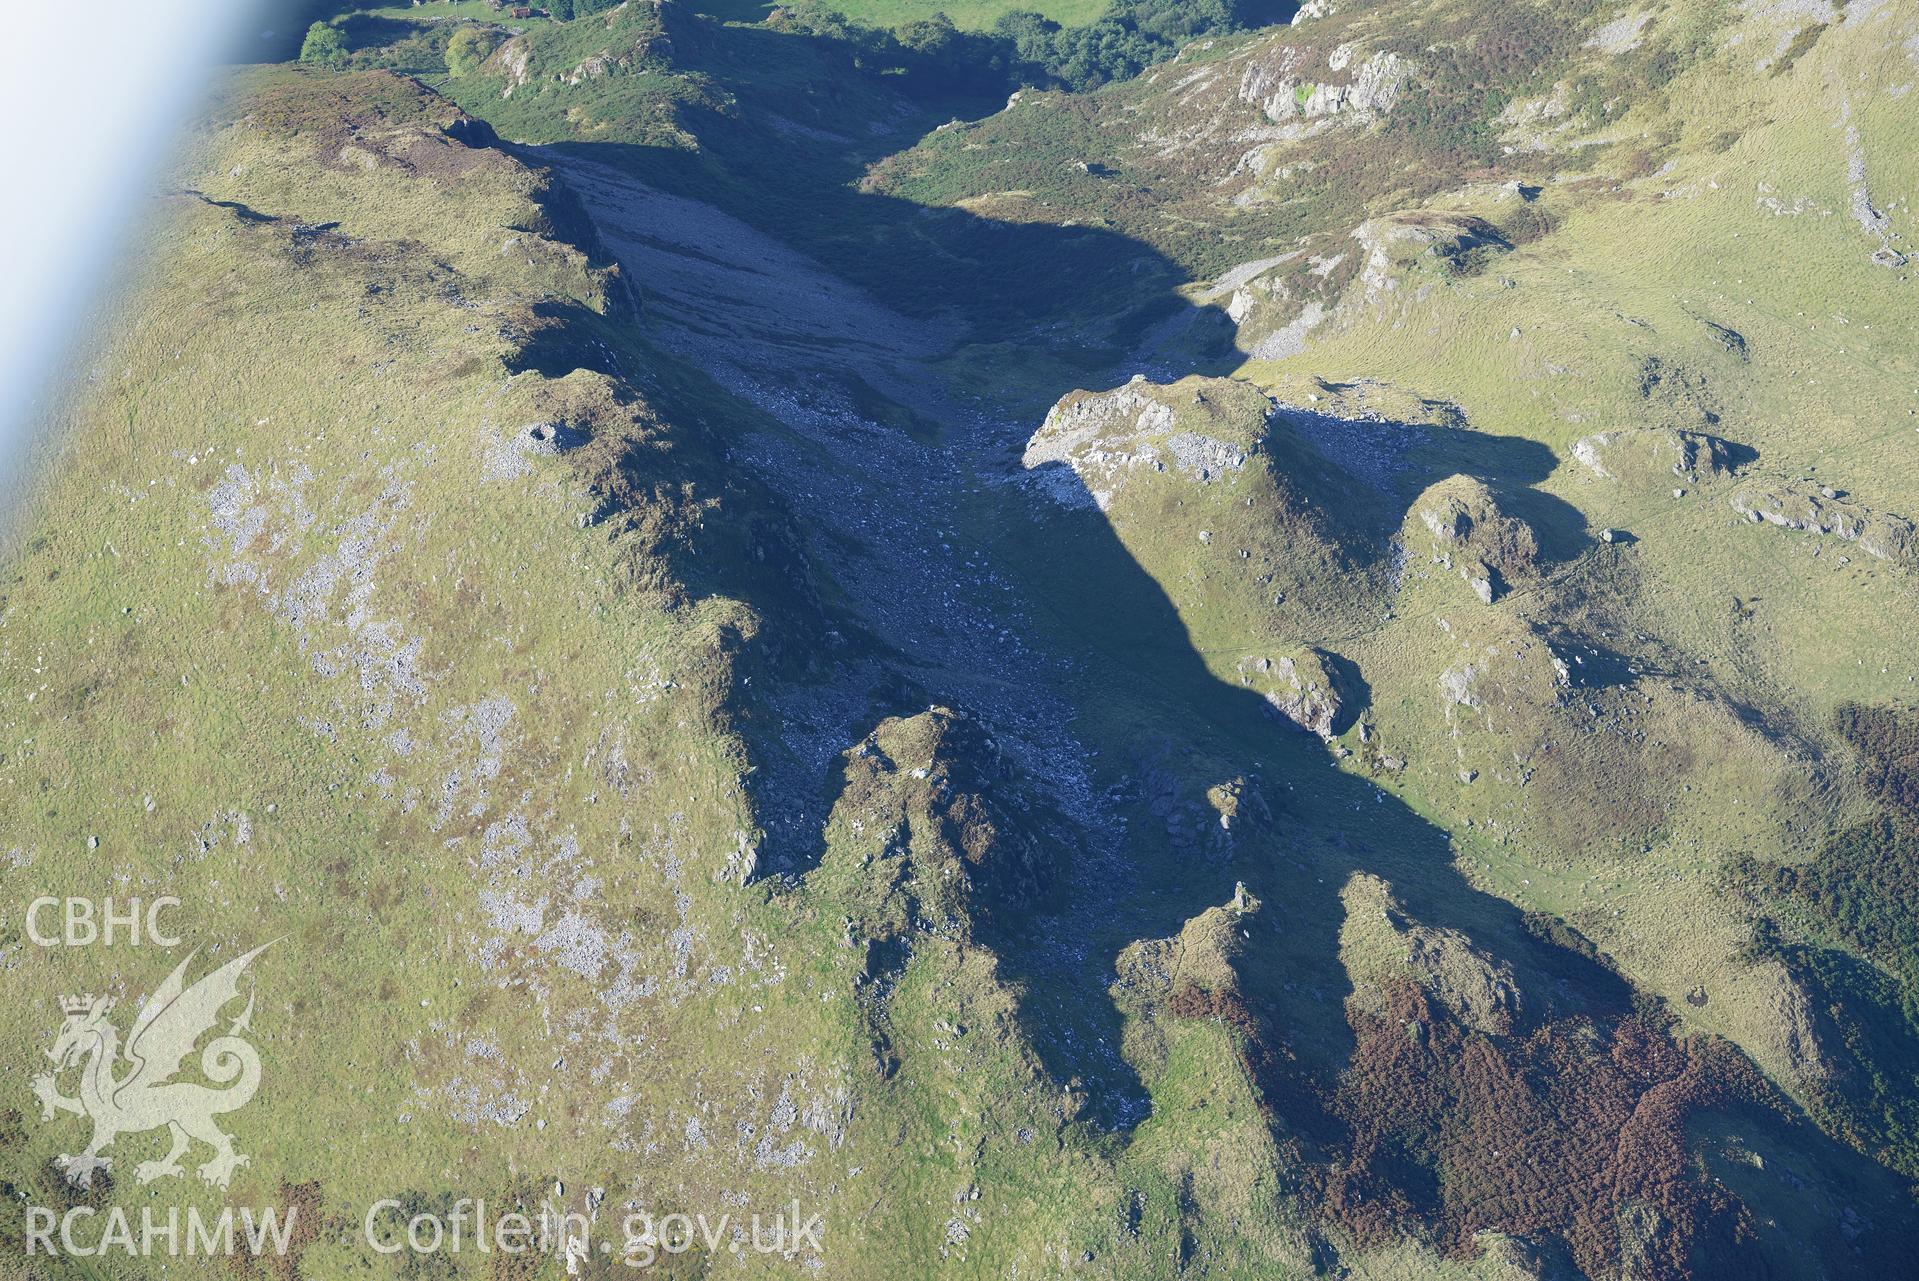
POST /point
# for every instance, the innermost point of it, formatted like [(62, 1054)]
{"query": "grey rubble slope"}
[(499, 568)]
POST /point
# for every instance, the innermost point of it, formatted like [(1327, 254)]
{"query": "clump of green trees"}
[(1026, 48), (323, 45), (1131, 36)]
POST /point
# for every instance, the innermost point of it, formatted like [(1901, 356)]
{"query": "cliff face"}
[(762, 652)]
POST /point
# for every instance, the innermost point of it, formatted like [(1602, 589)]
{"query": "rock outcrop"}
[(1335, 280), (1361, 91), (1654, 457), (1205, 955), (933, 797), (1301, 687), (1477, 989), (1382, 944), (1104, 438), (1467, 533), (1799, 505)]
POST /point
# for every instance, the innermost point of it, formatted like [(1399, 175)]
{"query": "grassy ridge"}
[(317, 386), (1445, 1000)]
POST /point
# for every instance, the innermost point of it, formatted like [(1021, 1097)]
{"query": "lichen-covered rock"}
[(1509, 680), (1381, 943), (1362, 92), (1797, 505), (948, 816), (1478, 990), (1200, 433), (1196, 976), (1510, 1258), (1402, 252), (1791, 1028), (1204, 955), (1300, 686), (1241, 807), (1279, 303)]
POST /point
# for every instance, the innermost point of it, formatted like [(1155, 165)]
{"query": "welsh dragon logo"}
[(133, 1090)]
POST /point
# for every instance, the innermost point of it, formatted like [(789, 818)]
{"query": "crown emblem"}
[(75, 1004)]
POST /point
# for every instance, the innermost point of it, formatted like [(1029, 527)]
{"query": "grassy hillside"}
[(1640, 318), (402, 607), (1404, 770), (312, 648)]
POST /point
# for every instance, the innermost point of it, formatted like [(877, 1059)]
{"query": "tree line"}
[(1025, 48)]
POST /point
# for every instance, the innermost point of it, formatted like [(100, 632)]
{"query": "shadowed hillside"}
[(1287, 668)]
